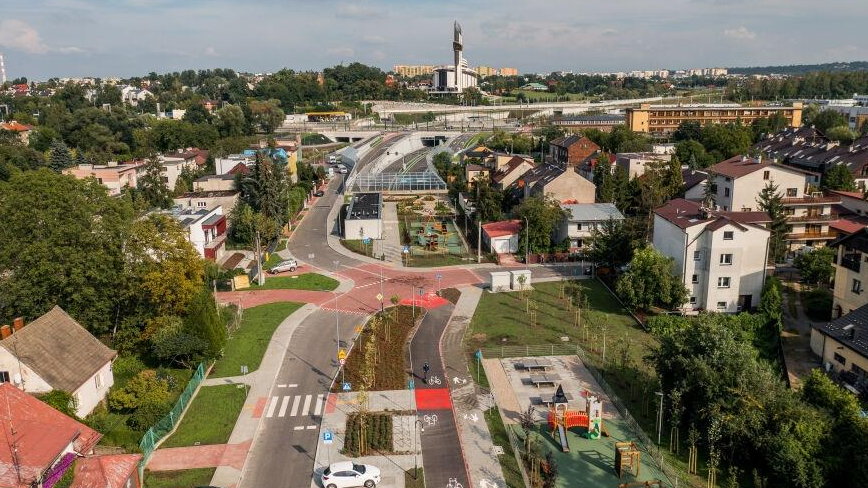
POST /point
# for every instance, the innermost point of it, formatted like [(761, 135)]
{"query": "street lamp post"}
[(659, 416), (526, 243), (337, 317), (416, 447)]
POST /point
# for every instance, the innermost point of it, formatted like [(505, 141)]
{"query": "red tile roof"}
[(15, 126), (502, 228), (40, 435), (110, 471), (239, 168), (739, 166), (849, 225), (851, 194), (686, 213)]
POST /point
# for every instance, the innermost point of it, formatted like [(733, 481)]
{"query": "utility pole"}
[(260, 276)]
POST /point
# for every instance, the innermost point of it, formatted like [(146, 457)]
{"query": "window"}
[(841, 359), (745, 209), (4, 376), (857, 287), (697, 255), (728, 235), (695, 279), (726, 259), (693, 300), (721, 305), (859, 372), (766, 174), (97, 381), (579, 226), (726, 192), (792, 192), (723, 282)]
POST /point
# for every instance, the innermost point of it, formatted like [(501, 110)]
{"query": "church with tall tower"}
[(445, 79)]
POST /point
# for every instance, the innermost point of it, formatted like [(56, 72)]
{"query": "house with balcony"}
[(720, 256), (738, 182), (205, 227), (842, 346), (851, 273), (113, 175)]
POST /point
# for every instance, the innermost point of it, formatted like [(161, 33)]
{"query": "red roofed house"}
[(720, 256), (40, 443), (23, 130), (502, 237), (109, 471)]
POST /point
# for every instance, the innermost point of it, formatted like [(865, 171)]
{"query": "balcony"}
[(853, 262), (812, 218), (811, 236), (810, 200)]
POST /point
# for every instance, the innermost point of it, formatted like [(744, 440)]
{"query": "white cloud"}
[(741, 33), (356, 11), (70, 50), (16, 34)]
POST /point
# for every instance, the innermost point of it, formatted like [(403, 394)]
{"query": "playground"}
[(432, 237), (575, 420)]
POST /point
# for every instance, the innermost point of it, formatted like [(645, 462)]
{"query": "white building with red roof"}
[(502, 237), (720, 256)]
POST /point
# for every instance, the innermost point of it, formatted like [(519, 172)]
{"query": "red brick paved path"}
[(210, 456)]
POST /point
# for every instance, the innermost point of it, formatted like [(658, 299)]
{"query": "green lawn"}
[(305, 281), (188, 478), (433, 260), (412, 479), (358, 246), (210, 418), (248, 343), (508, 463)]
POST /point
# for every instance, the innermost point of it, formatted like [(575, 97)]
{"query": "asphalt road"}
[(441, 447)]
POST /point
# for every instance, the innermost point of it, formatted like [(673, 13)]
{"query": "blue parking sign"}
[(327, 437), (346, 386)]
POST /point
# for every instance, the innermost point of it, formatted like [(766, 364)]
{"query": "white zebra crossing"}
[(303, 401)]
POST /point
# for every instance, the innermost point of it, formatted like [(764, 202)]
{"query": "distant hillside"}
[(801, 69)]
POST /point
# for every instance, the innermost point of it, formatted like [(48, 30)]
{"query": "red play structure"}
[(561, 418)]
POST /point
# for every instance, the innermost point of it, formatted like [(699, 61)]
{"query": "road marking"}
[(300, 427), (272, 406), (311, 427), (306, 407), (283, 406), (295, 406), (318, 408), (281, 386), (294, 385)]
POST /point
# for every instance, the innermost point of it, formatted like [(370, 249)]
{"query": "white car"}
[(347, 474), (342, 169), (288, 265)]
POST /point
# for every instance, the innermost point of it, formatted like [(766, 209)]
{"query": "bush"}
[(378, 434), (147, 415), (62, 401), (146, 388), (818, 304)]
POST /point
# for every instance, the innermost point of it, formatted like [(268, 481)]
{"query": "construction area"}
[(575, 420)]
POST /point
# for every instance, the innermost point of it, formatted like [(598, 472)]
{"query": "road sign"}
[(411, 385), (342, 361), (406, 250), (479, 354), (327, 437), (379, 297), (439, 276), (346, 386), (244, 369), (342, 354), (367, 240)]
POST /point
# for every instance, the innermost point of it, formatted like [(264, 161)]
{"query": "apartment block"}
[(664, 119)]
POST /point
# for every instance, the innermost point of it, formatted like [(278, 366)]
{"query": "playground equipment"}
[(562, 418), (627, 457)]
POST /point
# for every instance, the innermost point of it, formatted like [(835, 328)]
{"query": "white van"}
[(333, 159), (330, 172)]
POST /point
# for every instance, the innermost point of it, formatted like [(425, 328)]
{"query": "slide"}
[(562, 433)]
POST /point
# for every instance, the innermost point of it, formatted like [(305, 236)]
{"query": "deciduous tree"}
[(651, 281)]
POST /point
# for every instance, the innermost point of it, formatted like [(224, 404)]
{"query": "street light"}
[(659, 416), (416, 447), (526, 243), (337, 317)]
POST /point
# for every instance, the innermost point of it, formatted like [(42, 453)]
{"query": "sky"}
[(71, 38)]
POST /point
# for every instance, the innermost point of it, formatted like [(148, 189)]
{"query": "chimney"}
[(5, 331), (18, 323)]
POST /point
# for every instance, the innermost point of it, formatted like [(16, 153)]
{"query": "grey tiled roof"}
[(850, 330)]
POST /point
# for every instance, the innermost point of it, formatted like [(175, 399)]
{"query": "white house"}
[(721, 256), (502, 237), (205, 227), (133, 95), (582, 219), (54, 352), (223, 165), (364, 218), (172, 168), (635, 164), (209, 199)]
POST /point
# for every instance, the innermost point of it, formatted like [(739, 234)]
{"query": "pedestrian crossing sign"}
[(342, 354), (346, 386)]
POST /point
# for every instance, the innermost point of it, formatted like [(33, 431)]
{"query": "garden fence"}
[(165, 425)]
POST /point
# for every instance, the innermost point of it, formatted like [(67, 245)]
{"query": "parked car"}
[(342, 169), (349, 474), (318, 193), (288, 265)]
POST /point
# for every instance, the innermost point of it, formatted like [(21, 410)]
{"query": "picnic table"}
[(531, 364), (542, 379), (548, 398)]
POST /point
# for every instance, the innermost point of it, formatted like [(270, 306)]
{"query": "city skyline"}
[(73, 38)]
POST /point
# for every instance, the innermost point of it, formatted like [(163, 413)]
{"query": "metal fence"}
[(165, 425)]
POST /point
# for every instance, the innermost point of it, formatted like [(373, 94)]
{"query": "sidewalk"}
[(260, 382), (796, 339), (483, 467)]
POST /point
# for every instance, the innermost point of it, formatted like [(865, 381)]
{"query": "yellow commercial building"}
[(664, 119)]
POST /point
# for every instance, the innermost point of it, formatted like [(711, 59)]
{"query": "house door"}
[(744, 303)]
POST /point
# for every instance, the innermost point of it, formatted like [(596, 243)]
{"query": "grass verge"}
[(174, 479), (247, 345), (432, 260), (210, 418), (387, 334), (508, 463), (414, 479), (358, 246), (304, 281), (378, 435)]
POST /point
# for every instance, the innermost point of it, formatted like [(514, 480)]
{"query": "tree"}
[(486, 200), (842, 134), (197, 114), (611, 244), (771, 202), (543, 216), (144, 388), (816, 266), (151, 185), (692, 153), (651, 281), (62, 401), (826, 119), (60, 158), (230, 121), (174, 345), (63, 244), (689, 130), (203, 321), (267, 114), (771, 302)]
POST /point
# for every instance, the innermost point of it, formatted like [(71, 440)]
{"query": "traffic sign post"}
[(346, 386), (439, 277), (327, 437)]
